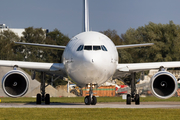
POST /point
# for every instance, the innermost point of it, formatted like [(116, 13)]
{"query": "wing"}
[(42, 45), (56, 68), (134, 45), (135, 67)]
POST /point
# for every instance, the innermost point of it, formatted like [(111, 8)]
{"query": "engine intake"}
[(163, 85), (15, 83)]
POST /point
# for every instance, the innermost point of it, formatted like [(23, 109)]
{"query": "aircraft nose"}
[(93, 61)]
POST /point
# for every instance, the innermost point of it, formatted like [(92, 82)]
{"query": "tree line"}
[(10, 51), (166, 38)]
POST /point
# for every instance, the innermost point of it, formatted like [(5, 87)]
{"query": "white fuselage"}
[(90, 57)]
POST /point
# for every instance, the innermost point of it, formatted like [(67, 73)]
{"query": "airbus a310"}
[(89, 59)]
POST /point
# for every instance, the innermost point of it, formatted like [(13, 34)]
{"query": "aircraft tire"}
[(87, 100), (94, 100), (38, 99), (47, 99), (137, 99), (128, 99)]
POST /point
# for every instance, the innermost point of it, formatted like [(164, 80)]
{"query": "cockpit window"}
[(96, 48), (87, 47), (80, 48), (103, 48)]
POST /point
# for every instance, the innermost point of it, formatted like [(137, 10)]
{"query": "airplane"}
[(89, 59)]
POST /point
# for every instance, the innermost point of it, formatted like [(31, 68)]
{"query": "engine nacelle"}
[(15, 83), (163, 85)]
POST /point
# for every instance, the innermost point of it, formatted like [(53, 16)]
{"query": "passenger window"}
[(80, 48), (87, 47), (96, 48), (103, 48)]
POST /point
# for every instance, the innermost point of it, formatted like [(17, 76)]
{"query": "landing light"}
[(89, 85)]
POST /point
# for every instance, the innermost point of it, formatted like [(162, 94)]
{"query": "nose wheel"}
[(90, 99), (94, 100), (87, 100)]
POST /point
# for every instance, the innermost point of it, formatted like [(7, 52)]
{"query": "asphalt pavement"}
[(98, 105)]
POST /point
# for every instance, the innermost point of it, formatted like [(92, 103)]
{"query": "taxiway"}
[(98, 105)]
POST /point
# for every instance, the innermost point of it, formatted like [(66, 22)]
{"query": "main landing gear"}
[(133, 97), (90, 99), (43, 96)]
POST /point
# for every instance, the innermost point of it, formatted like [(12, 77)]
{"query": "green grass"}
[(81, 99), (88, 114)]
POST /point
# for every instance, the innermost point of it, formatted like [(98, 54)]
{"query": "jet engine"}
[(15, 83), (163, 84)]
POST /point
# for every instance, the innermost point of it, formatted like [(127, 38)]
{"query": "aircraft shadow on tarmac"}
[(56, 103)]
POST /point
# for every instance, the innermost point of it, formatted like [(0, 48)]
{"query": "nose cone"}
[(98, 67), (93, 61), (92, 67)]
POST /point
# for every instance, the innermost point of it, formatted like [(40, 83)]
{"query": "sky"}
[(66, 15)]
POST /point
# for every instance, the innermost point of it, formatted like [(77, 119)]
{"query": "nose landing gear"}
[(90, 99)]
